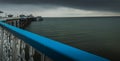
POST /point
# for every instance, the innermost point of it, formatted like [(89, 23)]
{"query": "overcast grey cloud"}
[(107, 5), (52, 8)]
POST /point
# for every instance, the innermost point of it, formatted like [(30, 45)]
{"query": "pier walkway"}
[(17, 44)]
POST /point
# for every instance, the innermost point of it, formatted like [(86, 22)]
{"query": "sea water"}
[(97, 35)]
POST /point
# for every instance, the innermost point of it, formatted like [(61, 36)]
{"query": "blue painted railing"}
[(51, 48)]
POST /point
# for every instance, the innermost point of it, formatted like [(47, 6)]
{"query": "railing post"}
[(42, 57), (31, 53), (1, 43)]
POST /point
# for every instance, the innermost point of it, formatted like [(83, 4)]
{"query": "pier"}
[(17, 44)]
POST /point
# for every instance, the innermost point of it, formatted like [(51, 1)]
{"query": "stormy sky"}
[(62, 8)]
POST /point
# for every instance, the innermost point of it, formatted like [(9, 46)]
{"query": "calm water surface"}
[(100, 36)]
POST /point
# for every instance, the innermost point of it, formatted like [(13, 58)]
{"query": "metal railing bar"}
[(53, 49)]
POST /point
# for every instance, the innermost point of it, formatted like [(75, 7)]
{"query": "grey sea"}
[(97, 35)]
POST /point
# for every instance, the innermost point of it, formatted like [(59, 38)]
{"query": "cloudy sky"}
[(61, 8)]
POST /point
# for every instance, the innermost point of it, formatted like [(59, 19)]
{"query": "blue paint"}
[(55, 50)]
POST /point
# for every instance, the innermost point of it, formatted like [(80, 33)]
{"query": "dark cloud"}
[(105, 5)]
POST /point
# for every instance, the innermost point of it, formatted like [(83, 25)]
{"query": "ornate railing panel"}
[(20, 45), (14, 49)]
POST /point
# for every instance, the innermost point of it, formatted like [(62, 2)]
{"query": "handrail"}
[(53, 49)]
